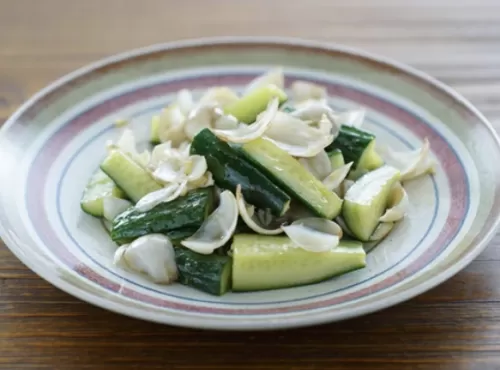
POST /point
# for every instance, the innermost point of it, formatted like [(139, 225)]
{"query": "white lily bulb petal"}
[(245, 133), (411, 163), (353, 118), (311, 110), (217, 229), (154, 198), (200, 118), (273, 77), (152, 255), (170, 170), (383, 229), (314, 234), (335, 179), (113, 206), (226, 122), (319, 165), (296, 137), (185, 101), (247, 216), (195, 167), (220, 96), (143, 158), (345, 229), (304, 90), (398, 204), (127, 142), (171, 125)]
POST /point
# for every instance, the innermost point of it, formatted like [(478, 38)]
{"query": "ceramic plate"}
[(53, 143)]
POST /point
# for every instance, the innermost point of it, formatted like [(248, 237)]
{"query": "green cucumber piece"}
[(155, 130), (134, 180), (357, 146), (270, 262), (336, 158), (186, 213), (287, 172), (208, 273), (366, 200), (99, 187), (248, 107), (230, 169)]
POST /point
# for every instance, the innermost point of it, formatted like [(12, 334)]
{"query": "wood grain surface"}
[(455, 326)]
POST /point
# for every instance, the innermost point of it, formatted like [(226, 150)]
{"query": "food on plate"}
[(253, 191)]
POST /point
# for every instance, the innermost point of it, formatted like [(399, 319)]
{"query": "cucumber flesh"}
[(288, 173), (248, 107), (272, 262), (208, 273), (176, 219), (99, 187), (230, 169), (133, 179), (370, 160), (336, 158), (366, 200), (155, 130)]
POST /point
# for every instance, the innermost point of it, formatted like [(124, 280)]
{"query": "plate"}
[(53, 143)]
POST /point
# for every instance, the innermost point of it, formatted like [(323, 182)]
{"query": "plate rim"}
[(278, 323)]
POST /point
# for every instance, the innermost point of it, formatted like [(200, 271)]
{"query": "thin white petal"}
[(154, 198), (185, 101), (353, 118), (333, 180), (200, 118), (314, 234), (220, 96), (319, 165), (397, 206), (382, 230), (170, 170), (245, 133), (217, 229), (113, 206), (171, 125), (303, 90), (273, 77), (197, 167), (246, 214), (311, 110)]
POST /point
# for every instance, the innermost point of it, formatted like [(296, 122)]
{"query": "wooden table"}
[(455, 326)]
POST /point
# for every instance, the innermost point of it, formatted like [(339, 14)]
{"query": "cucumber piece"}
[(357, 146), (270, 262), (134, 180), (248, 107), (155, 130), (287, 172), (229, 169), (99, 187), (336, 158), (366, 200), (208, 273), (175, 219)]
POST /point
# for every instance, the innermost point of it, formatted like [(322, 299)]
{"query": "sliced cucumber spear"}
[(336, 158), (134, 180), (294, 178), (248, 107), (272, 262), (99, 187), (366, 200)]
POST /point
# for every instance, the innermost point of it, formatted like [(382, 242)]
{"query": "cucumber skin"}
[(208, 273), (230, 169), (187, 212), (352, 142)]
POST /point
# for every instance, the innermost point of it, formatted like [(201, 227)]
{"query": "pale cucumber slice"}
[(366, 200), (294, 178), (99, 187), (263, 262), (248, 107), (133, 179)]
